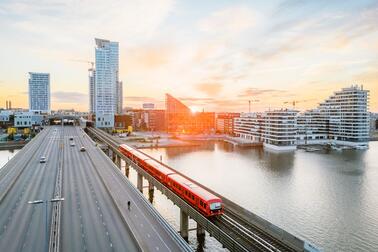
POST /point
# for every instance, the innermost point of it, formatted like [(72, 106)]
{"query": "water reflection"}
[(328, 198)]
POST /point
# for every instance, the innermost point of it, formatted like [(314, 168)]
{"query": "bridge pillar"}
[(184, 225), (118, 162), (114, 157), (200, 232), (140, 182), (150, 191), (127, 170)]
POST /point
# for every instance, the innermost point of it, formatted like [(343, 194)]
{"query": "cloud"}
[(211, 89), (229, 21), (195, 99), (69, 97), (139, 99), (252, 92)]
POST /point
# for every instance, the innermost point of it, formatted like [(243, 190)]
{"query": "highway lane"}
[(93, 223), (23, 224)]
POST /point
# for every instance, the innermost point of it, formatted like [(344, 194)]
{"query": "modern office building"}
[(39, 92), (342, 119), (180, 119), (106, 82), (92, 90), (119, 97)]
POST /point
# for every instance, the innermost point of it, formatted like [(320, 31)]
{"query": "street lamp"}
[(37, 202)]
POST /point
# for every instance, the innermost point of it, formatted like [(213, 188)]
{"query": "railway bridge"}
[(237, 229)]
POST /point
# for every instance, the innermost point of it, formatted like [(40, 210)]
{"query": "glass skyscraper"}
[(39, 92), (106, 82)]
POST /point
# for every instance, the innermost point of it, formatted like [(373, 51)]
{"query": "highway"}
[(94, 214)]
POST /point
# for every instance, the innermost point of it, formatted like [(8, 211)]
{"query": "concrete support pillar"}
[(140, 182), (114, 157), (150, 191), (118, 162), (127, 170), (200, 232), (184, 225)]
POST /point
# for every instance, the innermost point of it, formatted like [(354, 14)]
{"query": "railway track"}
[(249, 236)]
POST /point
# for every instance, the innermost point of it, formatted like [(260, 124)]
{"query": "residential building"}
[(106, 82), (341, 119), (180, 119), (225, 122), (276, 129), (39, 92)]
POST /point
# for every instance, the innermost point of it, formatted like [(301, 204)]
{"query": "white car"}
[(72, 144), (43, 160), (82, 149)]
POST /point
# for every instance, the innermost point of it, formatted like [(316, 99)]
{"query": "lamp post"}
[(37, 202)]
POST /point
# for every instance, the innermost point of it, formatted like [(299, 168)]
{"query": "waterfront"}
[(6, 155), (329, 199)]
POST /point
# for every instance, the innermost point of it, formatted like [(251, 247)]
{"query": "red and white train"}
[(201, 199)]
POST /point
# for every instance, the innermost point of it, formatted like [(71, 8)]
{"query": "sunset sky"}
[(214, 55)]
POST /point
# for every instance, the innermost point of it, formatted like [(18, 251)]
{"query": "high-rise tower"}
[(39, 92), (106, 82)]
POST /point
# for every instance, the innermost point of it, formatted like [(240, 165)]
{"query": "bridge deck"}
[(94, 214)]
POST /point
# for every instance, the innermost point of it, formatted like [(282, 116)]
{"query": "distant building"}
[(39, 92), (373, 123), (341, 119), (123, 121), (276, 129), (27, 119), (92, 90), (225, 122), (148, 106), (180, 119), (119, 97), (106, 82), (149, 120)]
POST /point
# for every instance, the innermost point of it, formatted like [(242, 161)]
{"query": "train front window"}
[(215, 206)]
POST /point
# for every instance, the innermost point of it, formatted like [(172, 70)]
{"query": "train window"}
[(204, 205), (201, 203)]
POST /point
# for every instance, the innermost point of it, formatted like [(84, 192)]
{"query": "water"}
[(329, 199), (6, 155)]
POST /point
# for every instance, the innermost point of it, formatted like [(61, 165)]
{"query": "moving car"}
[(82, 148), (72, 144), (43, 159)]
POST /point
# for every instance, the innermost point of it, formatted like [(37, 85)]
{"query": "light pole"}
[(37, 202)]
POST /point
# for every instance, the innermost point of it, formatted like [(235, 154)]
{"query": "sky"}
[(214, 55)]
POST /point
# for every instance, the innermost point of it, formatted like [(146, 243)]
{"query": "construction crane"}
[(294, 102), (84, 61), (249, 104)]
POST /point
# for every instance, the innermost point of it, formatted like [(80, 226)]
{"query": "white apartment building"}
[(106, 82), (39, 92), (341, 119), (276, 129)]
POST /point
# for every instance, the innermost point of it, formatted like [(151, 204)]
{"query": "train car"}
[(207, 203), (204, 201), (159, 171)]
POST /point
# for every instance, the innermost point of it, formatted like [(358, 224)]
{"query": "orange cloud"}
[(211, 89)]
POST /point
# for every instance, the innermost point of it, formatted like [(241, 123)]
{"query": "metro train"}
[(201, 199)]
